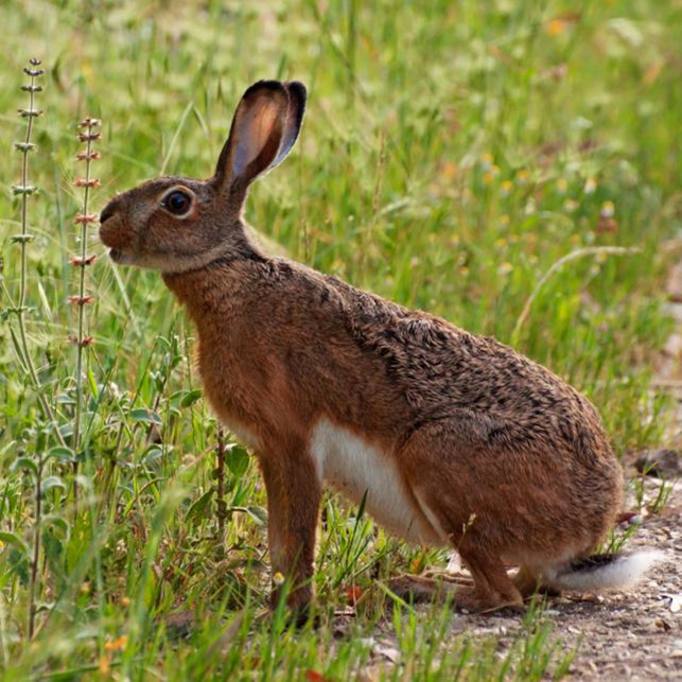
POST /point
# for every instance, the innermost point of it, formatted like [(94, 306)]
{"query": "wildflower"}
[(561, 23), (353, 594), (555, 27), (607, 209), (506, 187), (278, 578), (570, 205), (590, 185), (117, 644), (607, 222), (522, 177), (504, 220), (562, 185), (505, 269), (490, 174)]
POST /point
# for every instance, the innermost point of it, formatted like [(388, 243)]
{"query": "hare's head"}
[(176, 224)]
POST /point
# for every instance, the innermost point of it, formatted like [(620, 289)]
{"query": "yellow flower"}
[(490, 174), (522, 176), (506, 186), (277, 578), (562, 185), (555, 27), (590, 185), (116, 645)]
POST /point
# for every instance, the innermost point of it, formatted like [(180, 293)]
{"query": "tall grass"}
[(455, 157)]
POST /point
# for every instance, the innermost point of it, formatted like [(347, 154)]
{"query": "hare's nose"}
[(107, 212)]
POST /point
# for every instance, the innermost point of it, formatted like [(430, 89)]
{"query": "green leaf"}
[(190, 397), (25, 463), (55, 521), (238, 461), (13, 539), (142, 414), (62, 454), (93, 384), (18, 562), (200, 507), (258, 514), (52, 482)]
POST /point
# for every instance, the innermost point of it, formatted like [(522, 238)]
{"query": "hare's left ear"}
[(264, 129)]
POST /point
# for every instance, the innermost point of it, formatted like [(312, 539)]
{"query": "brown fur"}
[(493, 451)]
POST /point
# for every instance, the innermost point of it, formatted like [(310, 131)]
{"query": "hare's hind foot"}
[(427, 588), (489, 590), (464, 597)]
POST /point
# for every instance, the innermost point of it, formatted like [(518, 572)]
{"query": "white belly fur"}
[(353, 466)]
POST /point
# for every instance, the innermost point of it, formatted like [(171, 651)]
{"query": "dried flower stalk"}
[(89, 134)]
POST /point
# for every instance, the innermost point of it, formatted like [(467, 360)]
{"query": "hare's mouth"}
[(119, 256)]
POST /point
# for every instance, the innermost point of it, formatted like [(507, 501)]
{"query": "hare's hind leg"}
[(453, 476), (493, 588)]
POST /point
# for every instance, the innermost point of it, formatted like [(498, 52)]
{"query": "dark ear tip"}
[(263, 85), (297, 90)]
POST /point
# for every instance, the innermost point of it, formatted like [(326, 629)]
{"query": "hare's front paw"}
[(297, 602)]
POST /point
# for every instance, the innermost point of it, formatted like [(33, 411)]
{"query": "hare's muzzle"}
[(113, 231)]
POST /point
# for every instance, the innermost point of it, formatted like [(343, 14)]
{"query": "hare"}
[(452, 439)]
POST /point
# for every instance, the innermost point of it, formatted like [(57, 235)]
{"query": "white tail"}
[(603, 572)]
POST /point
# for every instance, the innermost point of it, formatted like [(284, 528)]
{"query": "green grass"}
[(451, 155)]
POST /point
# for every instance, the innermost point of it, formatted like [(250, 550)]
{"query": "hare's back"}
[(441, 369)]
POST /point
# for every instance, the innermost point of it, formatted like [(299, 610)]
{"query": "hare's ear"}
[(264, 129)]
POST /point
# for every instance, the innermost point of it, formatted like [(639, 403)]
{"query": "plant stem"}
[(36, 551), (221, 512), (25, 190)]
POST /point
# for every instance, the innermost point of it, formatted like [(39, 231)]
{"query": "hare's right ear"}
[(264, 129)]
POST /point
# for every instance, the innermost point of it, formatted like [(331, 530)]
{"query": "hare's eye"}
[(177, 202)]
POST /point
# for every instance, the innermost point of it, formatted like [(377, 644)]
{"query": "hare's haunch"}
[(449, 438)]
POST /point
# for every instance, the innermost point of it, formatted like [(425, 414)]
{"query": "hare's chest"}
[(227, 393), (356, 468)]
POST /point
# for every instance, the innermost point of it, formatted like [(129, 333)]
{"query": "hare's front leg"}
[(294, 490)]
